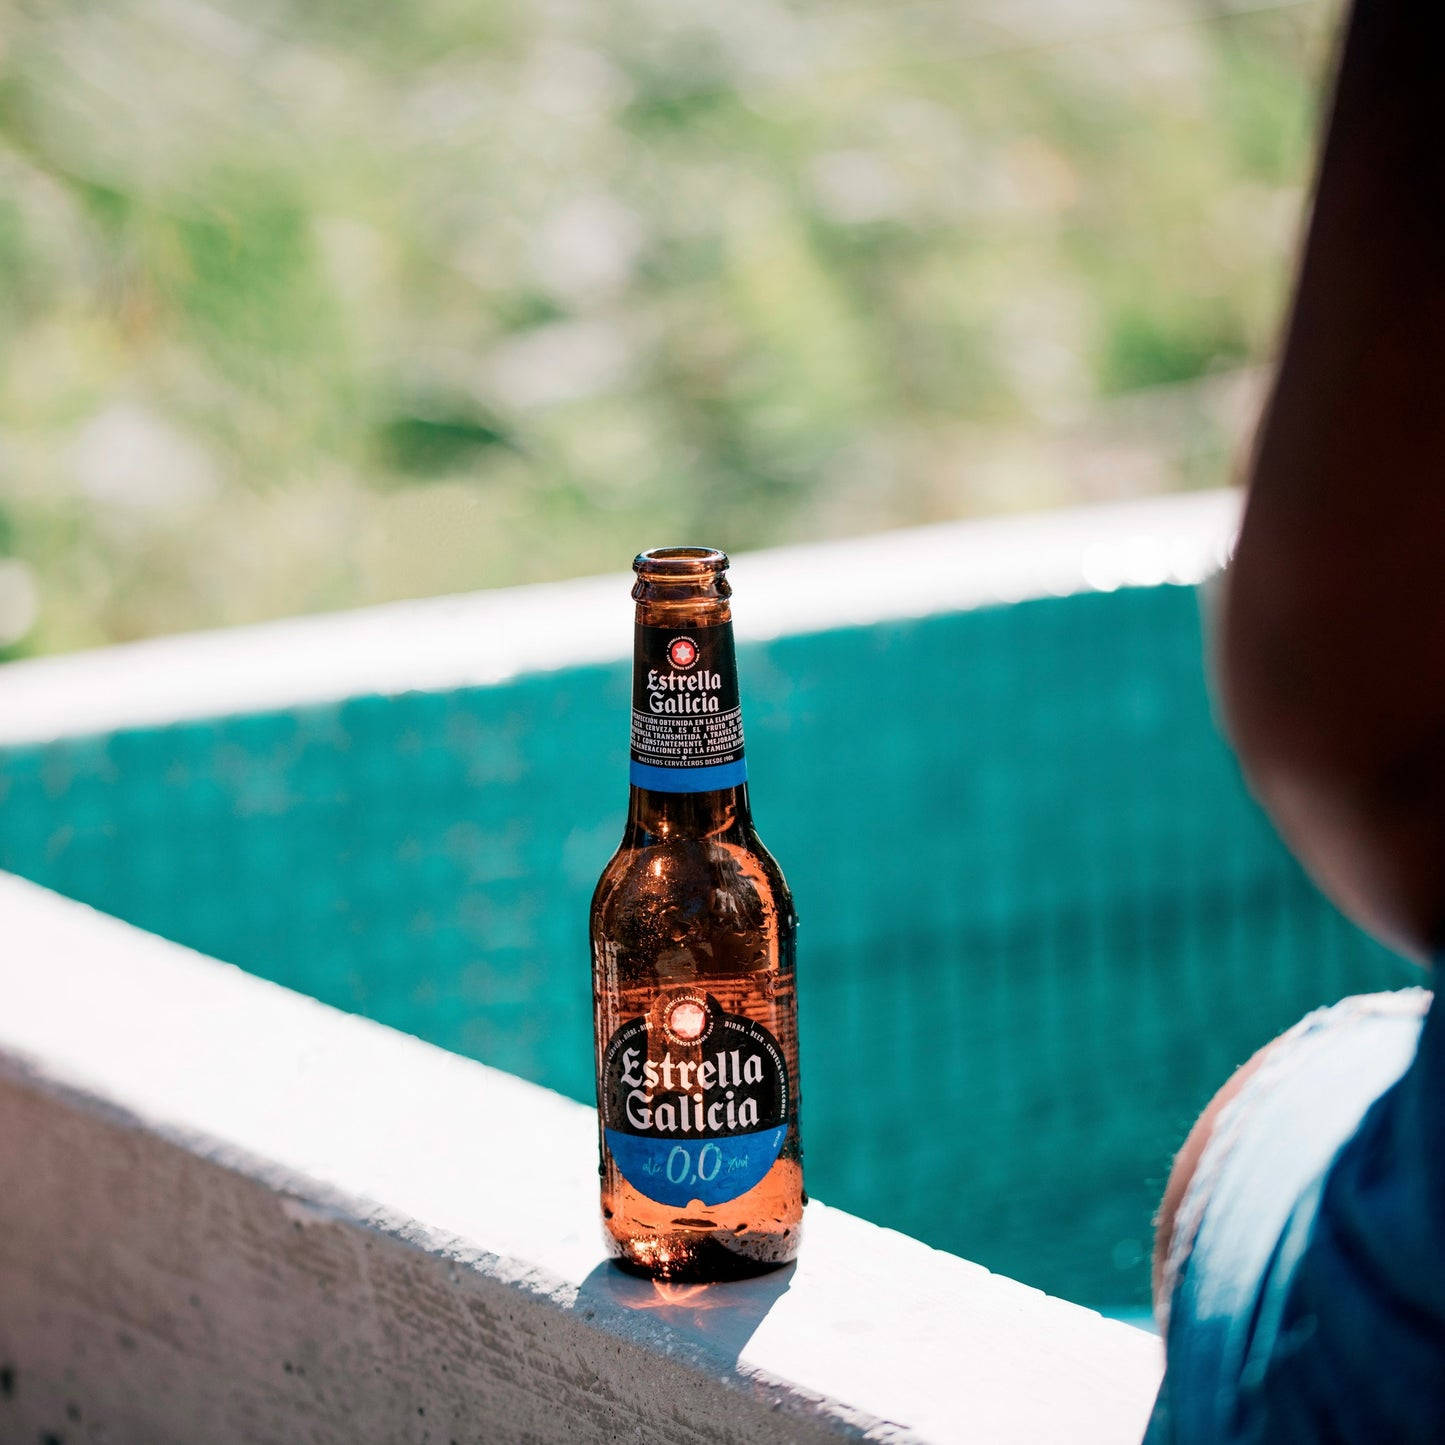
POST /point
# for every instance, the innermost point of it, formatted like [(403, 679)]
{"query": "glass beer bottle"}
[(693, 965)]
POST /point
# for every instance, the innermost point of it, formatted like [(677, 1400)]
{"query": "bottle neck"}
[(688, 772), (655, 817)]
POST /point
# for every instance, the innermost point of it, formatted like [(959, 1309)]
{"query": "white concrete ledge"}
[(229, 1213), (486, 637)]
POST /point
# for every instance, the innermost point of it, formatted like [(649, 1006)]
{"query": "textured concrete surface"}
[(229, 1213)]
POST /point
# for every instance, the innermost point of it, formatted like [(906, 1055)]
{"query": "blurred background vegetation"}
[(308, 305)]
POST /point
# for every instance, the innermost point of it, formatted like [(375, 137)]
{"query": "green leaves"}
[(558, 278)]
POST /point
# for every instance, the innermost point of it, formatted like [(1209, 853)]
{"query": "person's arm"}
[(1332, 665)]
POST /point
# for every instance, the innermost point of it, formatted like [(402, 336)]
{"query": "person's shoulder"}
[(1304, 1162)]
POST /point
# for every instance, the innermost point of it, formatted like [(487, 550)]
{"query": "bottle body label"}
[(695, 1101), (687, 729)]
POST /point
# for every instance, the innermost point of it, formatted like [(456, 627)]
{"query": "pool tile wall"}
[(1040, 917)]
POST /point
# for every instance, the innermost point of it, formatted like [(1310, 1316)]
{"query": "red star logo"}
[(687, 1020), (682, 653)]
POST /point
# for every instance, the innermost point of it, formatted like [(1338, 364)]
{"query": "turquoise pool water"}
[(1040, 918)]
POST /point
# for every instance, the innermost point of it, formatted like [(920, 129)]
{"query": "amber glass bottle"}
[(692, 964)]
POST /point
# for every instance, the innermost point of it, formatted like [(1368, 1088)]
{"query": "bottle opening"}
[(680, 562)]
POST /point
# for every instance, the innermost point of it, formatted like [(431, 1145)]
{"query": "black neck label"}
[(687, 727)]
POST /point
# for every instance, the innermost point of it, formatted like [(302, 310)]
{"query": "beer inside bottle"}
[(692, 957)]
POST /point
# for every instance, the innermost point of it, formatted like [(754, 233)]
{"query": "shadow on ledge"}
[(706, 1325)]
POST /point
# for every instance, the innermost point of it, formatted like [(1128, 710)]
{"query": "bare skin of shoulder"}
[(1331, 662)]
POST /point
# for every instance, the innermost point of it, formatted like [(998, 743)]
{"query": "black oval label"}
[(694, 1100)]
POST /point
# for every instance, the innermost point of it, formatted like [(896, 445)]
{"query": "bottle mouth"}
[(680, 562)]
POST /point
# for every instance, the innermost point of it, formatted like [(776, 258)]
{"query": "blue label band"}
[(689, 780), (677, 1171)]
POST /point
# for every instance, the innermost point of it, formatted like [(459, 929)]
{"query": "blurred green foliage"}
[(310, 305)]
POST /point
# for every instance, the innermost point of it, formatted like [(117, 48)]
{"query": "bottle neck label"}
[(695, 1101), (687, 727)]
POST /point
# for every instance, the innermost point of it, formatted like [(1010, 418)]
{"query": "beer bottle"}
[(693, 970)]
